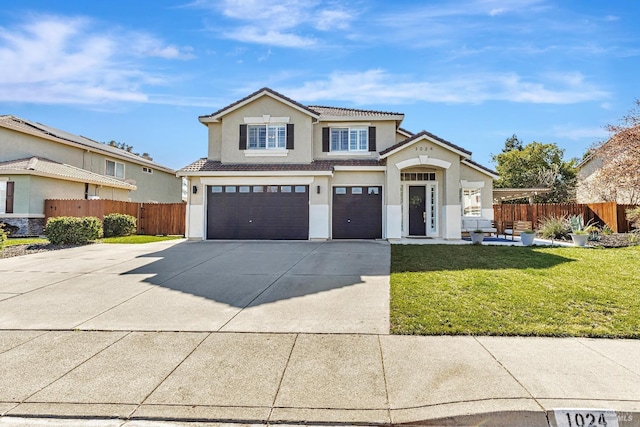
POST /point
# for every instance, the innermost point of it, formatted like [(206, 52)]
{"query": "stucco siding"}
[(385, 137), (16, 145), (472, 175), (230, 151), (159, 186)]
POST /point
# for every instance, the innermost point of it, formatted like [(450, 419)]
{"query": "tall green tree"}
[(536, 165)]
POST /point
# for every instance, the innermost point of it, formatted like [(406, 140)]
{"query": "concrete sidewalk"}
[(258, 333), (130, 379)]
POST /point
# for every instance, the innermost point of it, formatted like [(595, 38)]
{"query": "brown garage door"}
[(357, 212), (258, 212)]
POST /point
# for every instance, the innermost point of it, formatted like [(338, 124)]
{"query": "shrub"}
[(633, 216), (71, 230), (117, 225), (3, 236), (554, 227)]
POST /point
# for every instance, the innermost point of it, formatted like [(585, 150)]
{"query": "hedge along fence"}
[(607, 213), (152, 218)]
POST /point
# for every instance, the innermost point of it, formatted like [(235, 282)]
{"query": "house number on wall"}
[(423, 148)]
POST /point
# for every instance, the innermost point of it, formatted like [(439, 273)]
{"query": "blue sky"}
[(470, 71)]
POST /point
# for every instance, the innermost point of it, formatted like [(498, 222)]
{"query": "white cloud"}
[(378, 86), (339, 19), (269, 37), (285, 23), (64, 60), (595, 133)]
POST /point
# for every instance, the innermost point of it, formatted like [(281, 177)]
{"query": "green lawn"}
[(126, 239), (138, 239), (25, 241), (511, 290)]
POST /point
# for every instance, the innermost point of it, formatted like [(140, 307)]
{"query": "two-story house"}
[(38, 162), (277, 169)]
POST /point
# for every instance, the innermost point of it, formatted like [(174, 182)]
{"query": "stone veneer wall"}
[(26, 226)]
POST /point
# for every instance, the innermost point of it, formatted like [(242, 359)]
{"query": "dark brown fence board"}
[(153, 218)]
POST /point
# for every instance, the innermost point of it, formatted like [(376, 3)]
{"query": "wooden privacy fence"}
[(153, 218), (609, 213)]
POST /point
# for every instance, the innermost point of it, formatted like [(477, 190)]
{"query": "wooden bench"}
[(517, 228)]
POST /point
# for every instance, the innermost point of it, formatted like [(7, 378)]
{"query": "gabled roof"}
[(424, 135), (405, 132), (43, 131), (48, 168), (481, 168), (204, 165), (337, 113), (265, 91)]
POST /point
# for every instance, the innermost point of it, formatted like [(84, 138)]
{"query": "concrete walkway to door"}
[(211, 286)]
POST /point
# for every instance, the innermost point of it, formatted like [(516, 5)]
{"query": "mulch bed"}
[(616, 240)]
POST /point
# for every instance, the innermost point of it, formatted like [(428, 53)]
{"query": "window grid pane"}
[(267, 136), (471, 202)]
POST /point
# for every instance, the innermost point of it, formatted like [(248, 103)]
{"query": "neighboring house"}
[(38, 162), (277, 169), (590, 187)]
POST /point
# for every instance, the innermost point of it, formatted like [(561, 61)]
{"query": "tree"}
[(127, 148), (512, 143), (120, 145), (536, 165), (618, 178)]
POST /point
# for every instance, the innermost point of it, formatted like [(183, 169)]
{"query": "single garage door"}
[(357, 212), (258, 212)]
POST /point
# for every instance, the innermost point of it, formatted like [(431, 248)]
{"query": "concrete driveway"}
[(306, 287)]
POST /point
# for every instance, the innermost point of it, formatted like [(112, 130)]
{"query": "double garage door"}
[(282, 212), (258, 212)]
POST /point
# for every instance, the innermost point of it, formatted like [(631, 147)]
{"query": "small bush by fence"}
[(608, 213), (152, 218)]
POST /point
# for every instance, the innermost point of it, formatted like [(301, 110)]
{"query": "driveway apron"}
[(209, 286)]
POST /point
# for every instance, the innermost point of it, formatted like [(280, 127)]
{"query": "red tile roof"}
[(264, 89), (350, 112), (204, 165)]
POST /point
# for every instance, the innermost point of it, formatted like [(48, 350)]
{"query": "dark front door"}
[(258, 212), (417, 211), (357, 212)]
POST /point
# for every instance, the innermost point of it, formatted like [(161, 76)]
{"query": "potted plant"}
[(527, 236), (476, 236), (579, 230)]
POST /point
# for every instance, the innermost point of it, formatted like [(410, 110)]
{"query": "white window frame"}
[(357, 139), (275, 136), (3, 197), (146, 169), (471, 202), (115, 169)]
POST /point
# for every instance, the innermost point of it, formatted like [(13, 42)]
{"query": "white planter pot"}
[(527, 238), (579, 239), (476, 237)]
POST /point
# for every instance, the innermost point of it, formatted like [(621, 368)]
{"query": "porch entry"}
[(423, 218)]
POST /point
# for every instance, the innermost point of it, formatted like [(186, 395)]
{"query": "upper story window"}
[(356, 140), (147, 170), (115, 169), (350, 139), (256, 139), (471, 202), (267, 136)]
